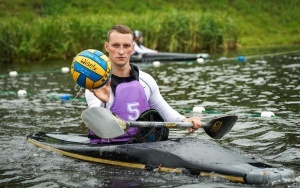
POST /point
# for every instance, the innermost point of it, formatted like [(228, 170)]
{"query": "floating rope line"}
[(15, 73), (258, 55)]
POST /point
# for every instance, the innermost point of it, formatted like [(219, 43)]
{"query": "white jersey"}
[(140, 49), (155, 99)]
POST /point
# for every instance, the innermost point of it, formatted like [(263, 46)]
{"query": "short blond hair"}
[(121, 29)]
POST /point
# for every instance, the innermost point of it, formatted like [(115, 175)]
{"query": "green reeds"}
[(39, 30), (64, 37)]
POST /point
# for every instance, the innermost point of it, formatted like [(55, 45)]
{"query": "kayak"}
[(181, 155), (167, 56)]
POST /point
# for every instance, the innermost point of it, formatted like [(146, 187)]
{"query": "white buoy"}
[(199, 109), (65, 69), (200, 60), (13, 73), (22, 93), (156, 63), (267, 114)]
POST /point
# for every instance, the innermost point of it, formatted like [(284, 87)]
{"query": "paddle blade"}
[(218, 127), (102, 122)]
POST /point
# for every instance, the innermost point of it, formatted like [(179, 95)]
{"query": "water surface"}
[(223, 86)]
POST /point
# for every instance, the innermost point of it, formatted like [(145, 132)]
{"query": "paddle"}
[(105, 125)]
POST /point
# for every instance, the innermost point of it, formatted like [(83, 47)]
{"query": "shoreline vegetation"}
[(41, 30)]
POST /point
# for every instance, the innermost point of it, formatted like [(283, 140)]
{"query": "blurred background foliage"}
[(40, 30)]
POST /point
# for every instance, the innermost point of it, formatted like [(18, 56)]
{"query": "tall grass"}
[(62, 38), (37, 30)]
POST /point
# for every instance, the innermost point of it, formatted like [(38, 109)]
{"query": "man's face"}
[(139, 39), (119, 47)]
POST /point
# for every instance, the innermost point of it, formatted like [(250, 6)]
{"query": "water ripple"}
[(270, 83)]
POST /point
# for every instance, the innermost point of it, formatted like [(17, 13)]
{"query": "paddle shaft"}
[(160, 124), (105, 125)]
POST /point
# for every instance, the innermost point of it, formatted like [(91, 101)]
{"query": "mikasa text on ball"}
[(91, 69)]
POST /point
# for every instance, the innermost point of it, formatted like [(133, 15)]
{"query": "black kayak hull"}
[(186, 155), (166, 56)]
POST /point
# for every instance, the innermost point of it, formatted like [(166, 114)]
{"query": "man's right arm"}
[(91, 99)]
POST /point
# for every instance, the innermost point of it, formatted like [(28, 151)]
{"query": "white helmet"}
[(137, 33)]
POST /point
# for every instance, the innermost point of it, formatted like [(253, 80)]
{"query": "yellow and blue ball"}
[(91, 69)]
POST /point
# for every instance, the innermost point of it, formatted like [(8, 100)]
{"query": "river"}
[(221, 85)]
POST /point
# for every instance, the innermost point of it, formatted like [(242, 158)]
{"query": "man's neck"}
[(138, 43), (122, 71)]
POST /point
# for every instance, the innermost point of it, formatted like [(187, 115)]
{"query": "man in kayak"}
[(139, 48), (132, 94)]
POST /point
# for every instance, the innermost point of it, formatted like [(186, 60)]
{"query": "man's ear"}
[(106, 46)]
